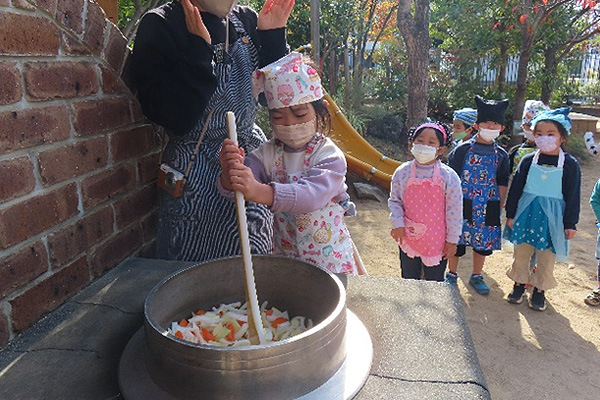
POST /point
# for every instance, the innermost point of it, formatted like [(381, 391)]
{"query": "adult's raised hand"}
[(275, 14), (194, 22)]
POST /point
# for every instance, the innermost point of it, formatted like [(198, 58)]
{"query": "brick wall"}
[(77, 159)]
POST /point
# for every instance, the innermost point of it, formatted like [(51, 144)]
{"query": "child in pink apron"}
[(300, 173), (426, 206)]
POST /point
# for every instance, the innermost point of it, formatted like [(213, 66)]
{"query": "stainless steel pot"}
[(281, 370)]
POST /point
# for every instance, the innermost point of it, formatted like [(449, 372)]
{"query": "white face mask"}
[(220, 8), (546, 144), (423, 153), (528, 135), (488, 134), (295, 136)]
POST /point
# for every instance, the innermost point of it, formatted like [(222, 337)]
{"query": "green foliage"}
[(576, 146)]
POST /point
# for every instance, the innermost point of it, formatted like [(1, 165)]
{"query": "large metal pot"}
[(281, 370)]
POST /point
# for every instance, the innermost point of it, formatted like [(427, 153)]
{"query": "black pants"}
[(413, 268)]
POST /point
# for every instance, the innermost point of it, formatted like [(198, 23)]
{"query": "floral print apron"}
[(319, 237), (481, 201)]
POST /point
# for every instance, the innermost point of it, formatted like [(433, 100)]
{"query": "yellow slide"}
[(362, 158)]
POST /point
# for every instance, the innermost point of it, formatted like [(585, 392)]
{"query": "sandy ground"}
[(524, 354)]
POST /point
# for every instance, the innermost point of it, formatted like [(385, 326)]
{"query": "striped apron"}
[(202, 225)]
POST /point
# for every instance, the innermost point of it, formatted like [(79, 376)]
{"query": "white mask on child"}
[(546, 144), (488, 134), (295, 136), (528, 135), (423, 153)]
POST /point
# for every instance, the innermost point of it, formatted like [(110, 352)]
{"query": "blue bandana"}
[(560, 115)]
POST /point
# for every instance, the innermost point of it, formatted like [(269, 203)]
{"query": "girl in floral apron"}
[(299, 174), (426, 206), (484, 171), (542, 208)]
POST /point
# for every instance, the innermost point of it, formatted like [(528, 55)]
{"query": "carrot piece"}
[(231, 335), (279, 320), (207, 335), (200, 312), (240, 322), (269, 311), (179, 334), (183, 322)]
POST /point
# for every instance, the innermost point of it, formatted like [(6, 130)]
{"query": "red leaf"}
[(523, 18), (496, 25), (545, 2)]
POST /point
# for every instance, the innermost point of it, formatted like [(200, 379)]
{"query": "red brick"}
[(22, 267), (111, 83), (68, 13), (77, 238), (17, 178), (49, 294), (65, 162), (19, 4), (60, 80), (32, 127), (148, 167), (95, 25), (32, 216), (73, 46), (136, 111), (115, 249), (10, 83), (133, 142), (35, 36), (100, 115), (135, 205), (4, 330), (107, 184), (48, 5), (116, 48)]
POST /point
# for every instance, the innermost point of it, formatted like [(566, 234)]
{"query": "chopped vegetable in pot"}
[(227, 325)]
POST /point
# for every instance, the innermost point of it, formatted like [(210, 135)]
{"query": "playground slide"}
[(362, 158)]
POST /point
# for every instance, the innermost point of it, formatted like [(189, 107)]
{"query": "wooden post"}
[(111, 9)]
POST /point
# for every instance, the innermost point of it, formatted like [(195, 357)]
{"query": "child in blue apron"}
[(483, 168), (542, 208), (300, 173)]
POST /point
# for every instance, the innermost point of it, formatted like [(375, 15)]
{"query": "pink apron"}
[(319, 237), (424, 217)]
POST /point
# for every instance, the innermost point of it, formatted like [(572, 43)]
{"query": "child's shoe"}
[(451, 278), (538, 300), (517, 294), (480, 286), (593, 298)]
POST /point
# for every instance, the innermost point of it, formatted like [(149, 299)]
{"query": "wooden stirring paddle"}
[(256, 332)]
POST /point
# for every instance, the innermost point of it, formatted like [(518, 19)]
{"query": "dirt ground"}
[(523, 353)]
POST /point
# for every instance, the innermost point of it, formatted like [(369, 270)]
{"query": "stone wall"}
[(77, 158)]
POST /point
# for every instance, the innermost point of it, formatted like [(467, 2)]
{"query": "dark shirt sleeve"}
[(517, 185), (571, 191), (171, 70), (456, 158), (511, 156), (503, 172)]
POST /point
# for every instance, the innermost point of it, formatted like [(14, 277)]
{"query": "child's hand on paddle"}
[(230, 154), (274, 14), (242, 180), (398, 234)]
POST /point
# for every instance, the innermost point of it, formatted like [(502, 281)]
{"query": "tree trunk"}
[(522, 74), (414, 27), (550, 68), (346, 75), (502, 67)]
